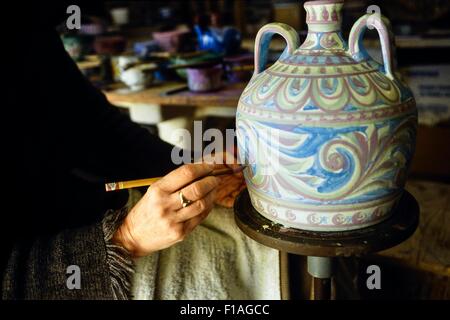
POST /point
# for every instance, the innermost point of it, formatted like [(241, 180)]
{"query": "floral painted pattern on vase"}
[(341, 127)]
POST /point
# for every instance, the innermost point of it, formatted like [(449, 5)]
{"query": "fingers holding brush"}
[(198, 189), (184, 175), (228, 190), (169, 211)]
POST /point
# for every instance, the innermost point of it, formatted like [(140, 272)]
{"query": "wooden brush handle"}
[(113, 186)]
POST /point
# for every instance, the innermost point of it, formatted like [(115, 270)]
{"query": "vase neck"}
[(324, 16), (324, 19)]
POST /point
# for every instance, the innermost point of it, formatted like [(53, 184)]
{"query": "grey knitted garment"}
[(39, 269)]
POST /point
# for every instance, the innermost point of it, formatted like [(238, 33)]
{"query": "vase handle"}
[(355, 45), (263, 38)]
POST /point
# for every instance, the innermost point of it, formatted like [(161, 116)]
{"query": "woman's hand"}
[(229, 188), (230, 185), (159, 220)]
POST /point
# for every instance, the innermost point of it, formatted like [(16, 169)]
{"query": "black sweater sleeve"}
[(41, 269)]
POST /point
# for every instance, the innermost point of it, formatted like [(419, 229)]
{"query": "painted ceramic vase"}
[(328, 132)]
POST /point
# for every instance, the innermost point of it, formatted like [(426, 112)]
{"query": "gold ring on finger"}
[(184, 202)]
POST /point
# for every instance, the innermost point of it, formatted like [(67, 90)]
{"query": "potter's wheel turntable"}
[(321, 247)]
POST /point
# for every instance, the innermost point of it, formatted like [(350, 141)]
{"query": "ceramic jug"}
[(327, 132)]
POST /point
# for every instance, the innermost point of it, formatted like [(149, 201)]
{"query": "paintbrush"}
[(114, 186)]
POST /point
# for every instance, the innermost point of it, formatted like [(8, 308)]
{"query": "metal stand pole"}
[(321, 269)]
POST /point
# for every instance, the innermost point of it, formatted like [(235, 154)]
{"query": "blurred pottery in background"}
[(93, 29), (172, 41), (138, 77), (120, 16), (75, 45), (164, 72), (226, 40), (110, 45), (126, 61), (182, 61), (328, 132), (239, 68), (121, 63), (204, 79), (131, 71), (143, 49)]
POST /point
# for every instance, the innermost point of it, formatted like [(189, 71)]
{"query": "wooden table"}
[(150, 106), (172, 93)]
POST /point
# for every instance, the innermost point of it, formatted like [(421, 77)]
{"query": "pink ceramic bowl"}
[(205, 79), (171, 41)]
